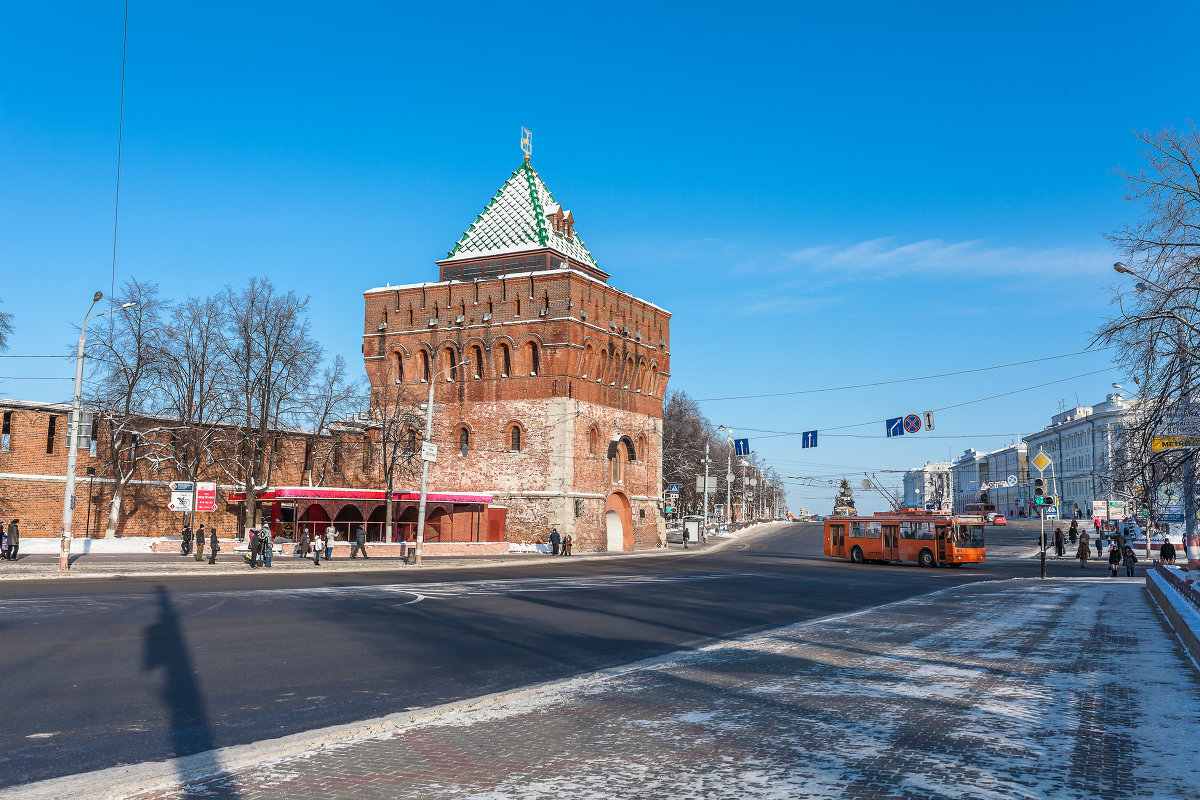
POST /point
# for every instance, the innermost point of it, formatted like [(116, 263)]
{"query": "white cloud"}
[(889, 257)]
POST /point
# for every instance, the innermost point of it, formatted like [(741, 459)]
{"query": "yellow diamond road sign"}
[(1041, 461)]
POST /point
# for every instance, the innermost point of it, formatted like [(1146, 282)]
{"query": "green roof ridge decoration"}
[(515, 221)]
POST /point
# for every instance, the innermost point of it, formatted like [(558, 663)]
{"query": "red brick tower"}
[(559, 412)]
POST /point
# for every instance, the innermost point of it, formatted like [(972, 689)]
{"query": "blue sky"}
[(822, 195)]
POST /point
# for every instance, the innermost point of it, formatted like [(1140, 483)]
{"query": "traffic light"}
[(1039, 491)]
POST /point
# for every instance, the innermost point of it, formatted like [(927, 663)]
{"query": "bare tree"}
[(334, 399), (5, 328), (194, 412), (1156, 328), (123, 358), (270, 358), (398, 421)]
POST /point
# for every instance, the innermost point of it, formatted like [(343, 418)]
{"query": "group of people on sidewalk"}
[(198, 539), (10, 540), (559, 545)]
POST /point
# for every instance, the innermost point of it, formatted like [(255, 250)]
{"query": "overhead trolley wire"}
[(901, 380)]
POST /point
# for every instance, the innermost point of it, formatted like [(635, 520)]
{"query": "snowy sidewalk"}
[(963, 693)]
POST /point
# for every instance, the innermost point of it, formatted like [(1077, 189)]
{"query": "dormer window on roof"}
[(522, 229)]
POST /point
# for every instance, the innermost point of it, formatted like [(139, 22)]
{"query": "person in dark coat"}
[(14, 541), (1166, 553), (252, 549), (1073, 533), (1114, 560), (1099, 541), (213, 547), (185, 546), (360, 542), (200, 536), (1129, 559), (1058, 542), (1083, 551), (266, 544), (554, 541)]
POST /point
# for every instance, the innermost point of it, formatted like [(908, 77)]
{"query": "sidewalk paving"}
[(110, 565), (967, 692)]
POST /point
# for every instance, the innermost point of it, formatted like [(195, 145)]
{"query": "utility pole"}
[(425, 461), (706, 459)]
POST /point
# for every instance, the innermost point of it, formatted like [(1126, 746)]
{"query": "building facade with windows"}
[(1084, 444), (979, 476), (548, 381), (930, 487)]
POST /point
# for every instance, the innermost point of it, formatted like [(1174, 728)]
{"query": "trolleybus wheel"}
[(926, 558), (856, 555)]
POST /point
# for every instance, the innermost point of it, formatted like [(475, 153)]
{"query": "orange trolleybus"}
[(922, 536)]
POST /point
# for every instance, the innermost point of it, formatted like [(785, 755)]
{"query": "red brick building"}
[(557, 413)]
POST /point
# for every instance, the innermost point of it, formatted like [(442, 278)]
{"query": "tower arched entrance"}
[(618, 522)]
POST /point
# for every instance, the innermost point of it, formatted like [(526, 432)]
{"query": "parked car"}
[(999, 519)]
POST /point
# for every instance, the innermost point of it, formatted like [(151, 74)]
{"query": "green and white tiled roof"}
[(515, 221)]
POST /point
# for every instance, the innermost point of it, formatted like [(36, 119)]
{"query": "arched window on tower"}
[(593, 440), (424, 359), (587, 361), (398, 367), (534, 365), (517, 307), (515, 439), (505, 361), (477, 357), (452, 360), (464, 441)]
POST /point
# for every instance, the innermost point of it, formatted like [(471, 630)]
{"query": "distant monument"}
[(843, 504)]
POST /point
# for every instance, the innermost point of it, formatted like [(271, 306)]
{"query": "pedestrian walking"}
[(330, 538), (316, 546), (360, 542), (1073, 533), (1129, 559), (213, 547), (1114, 560), (13, 544), (566, 545), (266, 543), (555, 540), (252, 549), (1083, 551), (1099, 541), (1166, 553), (3, 543), (200, 544), (1058, 543), (186, 544)]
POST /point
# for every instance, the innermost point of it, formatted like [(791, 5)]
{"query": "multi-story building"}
[(996, 477), (1084, 444), (548, 381), (929, 487)]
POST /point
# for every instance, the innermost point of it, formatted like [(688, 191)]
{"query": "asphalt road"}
[(99, 673)]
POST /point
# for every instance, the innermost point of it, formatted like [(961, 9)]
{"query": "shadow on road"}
[(182, 697)]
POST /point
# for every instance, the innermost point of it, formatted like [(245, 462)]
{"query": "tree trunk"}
[(114, 510), (387, 513)]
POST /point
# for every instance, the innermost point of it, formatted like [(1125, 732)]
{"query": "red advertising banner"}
[(206, 497)]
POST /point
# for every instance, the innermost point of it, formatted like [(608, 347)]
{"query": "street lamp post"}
[(728, 470), (64, 548), (425, 462), (1191, 542)]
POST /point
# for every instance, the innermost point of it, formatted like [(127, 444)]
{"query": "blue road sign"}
[(912, 423), (673, 488), (810, 439), (895, 426), (741, 447), (1050, 512)]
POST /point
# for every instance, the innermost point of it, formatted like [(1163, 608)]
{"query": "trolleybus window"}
[(865, 529), (969, 536), (916, 530)]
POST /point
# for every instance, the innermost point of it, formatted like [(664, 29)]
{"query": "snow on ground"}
[(1010, 689)]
